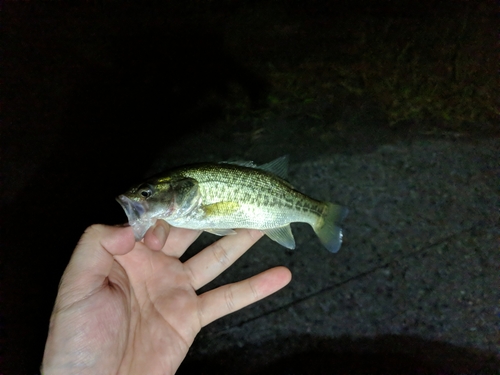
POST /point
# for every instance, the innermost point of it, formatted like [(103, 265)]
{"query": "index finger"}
[(179, 239)]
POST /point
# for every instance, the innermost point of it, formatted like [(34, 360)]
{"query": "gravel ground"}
[(419, 260)]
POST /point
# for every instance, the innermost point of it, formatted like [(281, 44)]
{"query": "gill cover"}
[(186, 197)]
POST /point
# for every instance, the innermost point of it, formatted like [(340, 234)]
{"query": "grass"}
[(440, 67), (430, 62)]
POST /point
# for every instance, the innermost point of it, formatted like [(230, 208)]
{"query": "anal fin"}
[(282, 235)]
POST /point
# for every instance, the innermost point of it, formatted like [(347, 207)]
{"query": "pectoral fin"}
[(217, 210), (220, 208), (282, 235)]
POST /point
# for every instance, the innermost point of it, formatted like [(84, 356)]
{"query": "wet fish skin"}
[(218, 197)]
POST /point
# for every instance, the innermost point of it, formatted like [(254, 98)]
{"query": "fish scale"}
[(257, 189)]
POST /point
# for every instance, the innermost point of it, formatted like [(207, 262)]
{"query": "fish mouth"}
[(135, 213), (134, 210)]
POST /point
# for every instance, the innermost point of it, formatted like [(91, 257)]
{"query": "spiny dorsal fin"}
[(248, 164), (279, 166)]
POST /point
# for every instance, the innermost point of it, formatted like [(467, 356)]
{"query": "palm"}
[(155, 304), (143, 317)]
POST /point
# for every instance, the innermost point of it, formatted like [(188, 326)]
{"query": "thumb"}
[(92, 260)]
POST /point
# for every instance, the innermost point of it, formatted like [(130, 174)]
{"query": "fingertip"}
[(157, 235), (283, 275), (255, 234), (274, 279)]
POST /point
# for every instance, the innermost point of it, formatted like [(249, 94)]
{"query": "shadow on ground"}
[(387, 354)]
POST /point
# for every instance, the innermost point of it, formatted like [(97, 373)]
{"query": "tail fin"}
[(328, 226)]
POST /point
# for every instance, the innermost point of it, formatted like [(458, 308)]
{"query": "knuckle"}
[(255, 292), (94, 229), (221, 255), (193, 278), (92, 233), (229, 298)]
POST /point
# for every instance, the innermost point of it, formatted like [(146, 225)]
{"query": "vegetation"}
[(437, 65)]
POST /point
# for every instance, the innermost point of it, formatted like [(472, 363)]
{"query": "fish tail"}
[(327, 227)]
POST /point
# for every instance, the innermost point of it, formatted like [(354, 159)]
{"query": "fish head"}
[(143, 206), (158, 199)]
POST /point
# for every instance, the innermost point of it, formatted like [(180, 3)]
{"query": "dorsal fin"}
[(278, 167), (248, 164)]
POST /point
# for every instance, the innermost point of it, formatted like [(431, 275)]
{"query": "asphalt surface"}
[(419, 262), (415, 287)]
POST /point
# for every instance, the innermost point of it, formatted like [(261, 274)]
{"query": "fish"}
[(220, 197)]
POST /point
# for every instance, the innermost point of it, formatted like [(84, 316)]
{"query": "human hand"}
[(126, 307)]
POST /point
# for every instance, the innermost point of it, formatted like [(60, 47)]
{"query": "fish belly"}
[(224, 215)]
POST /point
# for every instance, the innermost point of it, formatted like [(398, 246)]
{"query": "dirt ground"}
[(99, 95)]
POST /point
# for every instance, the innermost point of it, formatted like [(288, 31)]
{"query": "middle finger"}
[(216, 258)]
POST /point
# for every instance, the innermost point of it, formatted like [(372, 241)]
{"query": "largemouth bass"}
[(219, 197)]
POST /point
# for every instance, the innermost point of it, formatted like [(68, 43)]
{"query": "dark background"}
[(98, 95)]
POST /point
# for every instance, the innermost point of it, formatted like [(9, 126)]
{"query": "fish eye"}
[(146, 190)]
